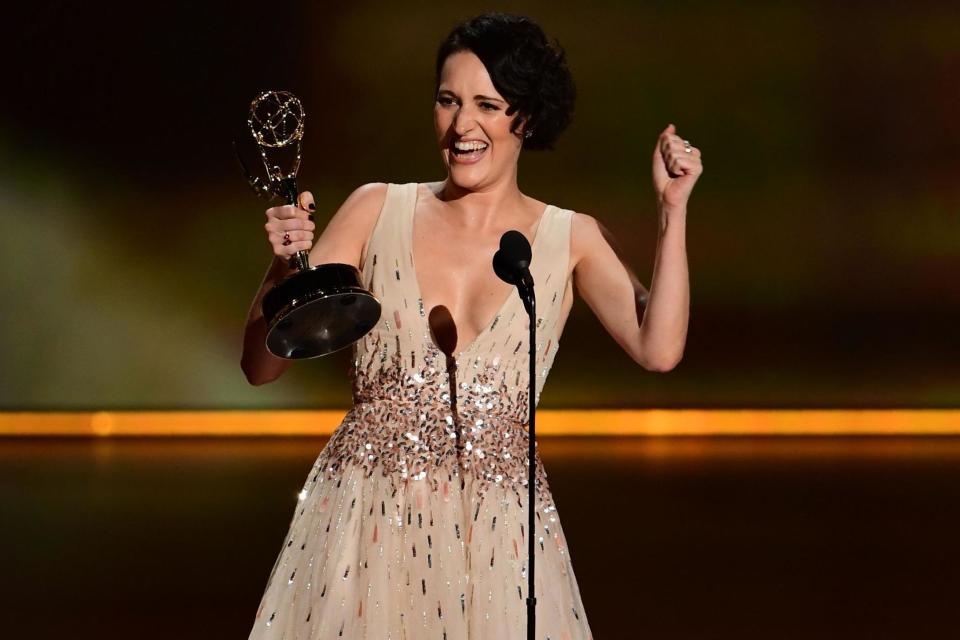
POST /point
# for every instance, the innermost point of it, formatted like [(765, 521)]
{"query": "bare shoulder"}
[(365, 201), (361, 208), (346, 234), (585, 236)]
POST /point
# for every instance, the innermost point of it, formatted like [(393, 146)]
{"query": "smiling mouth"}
[(468, 151)]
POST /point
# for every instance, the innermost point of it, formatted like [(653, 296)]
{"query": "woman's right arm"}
[(343, 241)]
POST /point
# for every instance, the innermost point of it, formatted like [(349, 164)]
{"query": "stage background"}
[(824, 239)]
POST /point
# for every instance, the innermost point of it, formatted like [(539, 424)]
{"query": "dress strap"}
[(553, 249), (551, 281), (382, 246)]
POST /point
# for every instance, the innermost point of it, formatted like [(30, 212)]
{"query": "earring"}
[(528, 133)]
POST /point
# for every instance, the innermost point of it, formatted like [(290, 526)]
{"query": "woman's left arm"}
[(656, 341)]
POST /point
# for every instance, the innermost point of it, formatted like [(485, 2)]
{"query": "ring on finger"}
[(687, 147), (286, 239)]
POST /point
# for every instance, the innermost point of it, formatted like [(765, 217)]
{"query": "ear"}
[(525, 126), (522, 131)]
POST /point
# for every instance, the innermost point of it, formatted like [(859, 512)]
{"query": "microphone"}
[(511, 263)]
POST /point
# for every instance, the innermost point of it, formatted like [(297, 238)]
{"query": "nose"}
[(464, 120)]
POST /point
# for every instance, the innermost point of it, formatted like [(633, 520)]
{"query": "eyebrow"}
[(476, 97)]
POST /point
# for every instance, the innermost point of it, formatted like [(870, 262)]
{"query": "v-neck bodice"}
[(510, 302), (399, 353)]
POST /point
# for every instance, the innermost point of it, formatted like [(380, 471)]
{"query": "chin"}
[(469, 183), (465, 177)]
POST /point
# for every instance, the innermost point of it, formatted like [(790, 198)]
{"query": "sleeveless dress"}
[(411, 524)]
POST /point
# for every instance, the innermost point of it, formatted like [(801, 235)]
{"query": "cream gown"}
[(412, 523)]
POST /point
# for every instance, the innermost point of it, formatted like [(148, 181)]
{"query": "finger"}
[(665, 136), (694, 157), (680, 165), (296, 235), (674, 144), (277, 235), (299, 221), (681, 150), (680, 147), (294, 224), (281, 247), (286, 212), (306, 202), (291, 248), (685, 166), (664, 143)]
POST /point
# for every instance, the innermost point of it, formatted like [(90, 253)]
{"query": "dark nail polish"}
[(312, 207), (310, 217)]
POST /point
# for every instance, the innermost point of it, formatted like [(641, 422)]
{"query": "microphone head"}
[(512, 262), (516, 249), (505, 271)]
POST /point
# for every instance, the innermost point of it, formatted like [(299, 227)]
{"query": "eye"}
[(489, 107), (445, 100)]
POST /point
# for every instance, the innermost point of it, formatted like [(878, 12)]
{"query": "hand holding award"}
[(316, 310)]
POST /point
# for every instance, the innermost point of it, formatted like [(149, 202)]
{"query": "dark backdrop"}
[(823, 237)]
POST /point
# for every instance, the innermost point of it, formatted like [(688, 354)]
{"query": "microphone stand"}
[(530, 304), (511, 264)]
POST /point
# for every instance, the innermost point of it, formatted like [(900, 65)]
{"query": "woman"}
[(412, 522)]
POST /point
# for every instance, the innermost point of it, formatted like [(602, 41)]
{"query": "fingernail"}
[(312, 207), (310, 217)]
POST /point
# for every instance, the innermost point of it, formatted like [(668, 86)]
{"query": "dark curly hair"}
[(526, 70)]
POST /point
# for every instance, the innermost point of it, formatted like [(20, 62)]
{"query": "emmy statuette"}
[(315, 310)]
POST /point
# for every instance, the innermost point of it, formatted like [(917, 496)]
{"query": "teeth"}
[(470, 146)]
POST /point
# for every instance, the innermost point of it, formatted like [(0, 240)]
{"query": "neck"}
[(481, 206)]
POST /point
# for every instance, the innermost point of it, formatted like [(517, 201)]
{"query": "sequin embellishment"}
[(412, 521)]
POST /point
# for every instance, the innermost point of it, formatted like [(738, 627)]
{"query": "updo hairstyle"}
[(530, 74)]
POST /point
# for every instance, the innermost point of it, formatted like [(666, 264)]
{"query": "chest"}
[(454, 274), (455, 270)]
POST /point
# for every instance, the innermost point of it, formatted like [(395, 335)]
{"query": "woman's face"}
[(473, 129)]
